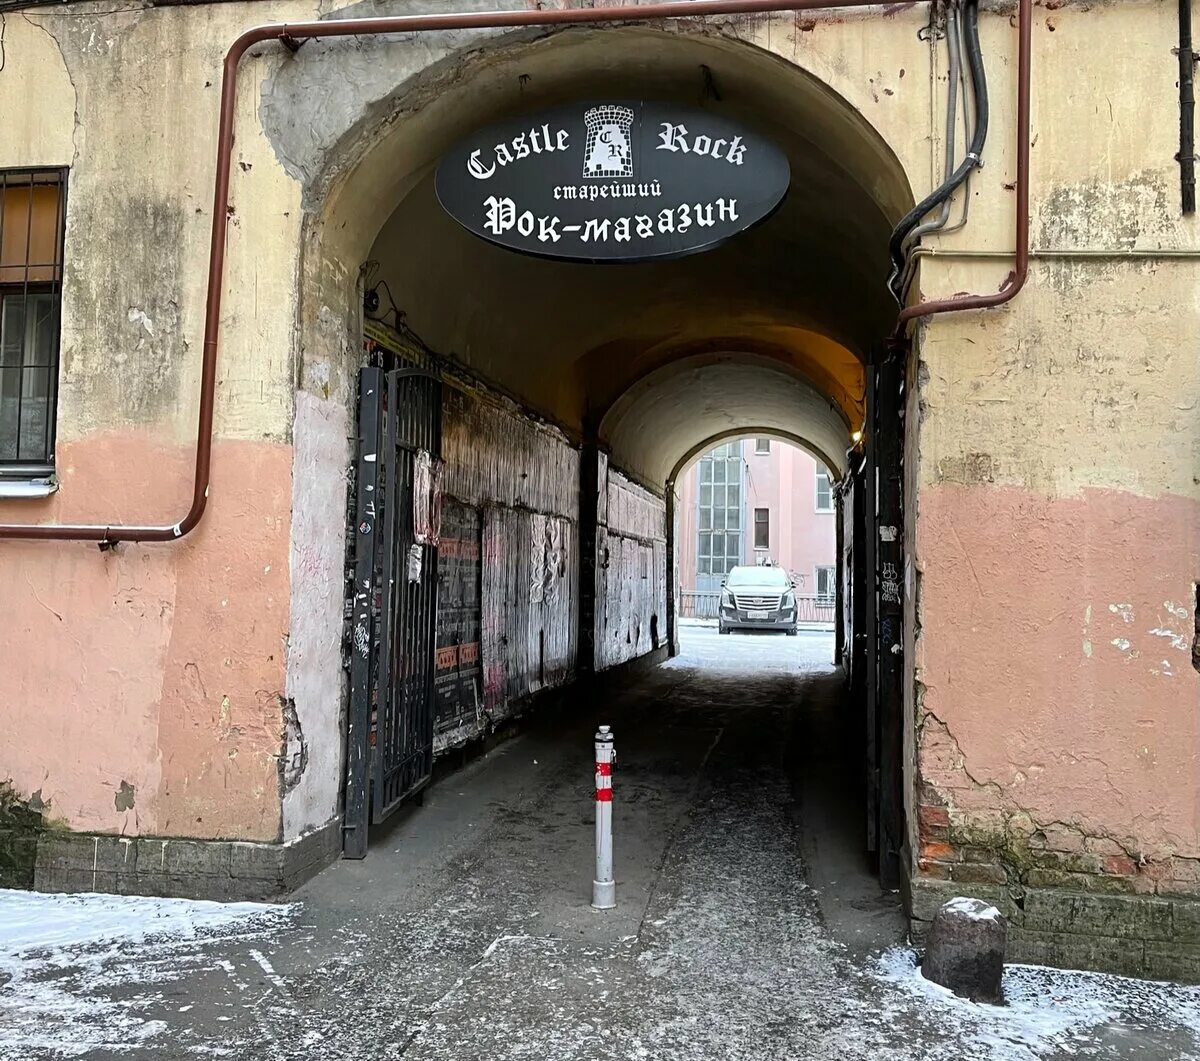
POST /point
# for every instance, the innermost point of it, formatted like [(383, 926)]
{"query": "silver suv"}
[(758, 598)]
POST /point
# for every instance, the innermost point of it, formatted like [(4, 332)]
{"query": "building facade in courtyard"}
[(757, 501), (340, 485)]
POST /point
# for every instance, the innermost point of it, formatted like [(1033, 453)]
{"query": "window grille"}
[(719, 546), (32, 212)]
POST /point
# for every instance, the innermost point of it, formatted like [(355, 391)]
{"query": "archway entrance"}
[(574, 393)]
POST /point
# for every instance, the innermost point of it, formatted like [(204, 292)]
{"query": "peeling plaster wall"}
[(144, 689), (1058, 513), (1055, 470), (631, 572), (522, 479)]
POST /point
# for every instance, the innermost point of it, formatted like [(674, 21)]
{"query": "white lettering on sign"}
[(531, 142), (674, 137), (592, 192), (501, 215)]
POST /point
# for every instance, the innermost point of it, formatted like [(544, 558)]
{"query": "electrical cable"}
[(974, 153), (952, 80)]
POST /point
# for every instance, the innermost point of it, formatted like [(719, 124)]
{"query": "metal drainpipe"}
[(292, 34), (1187, 110)]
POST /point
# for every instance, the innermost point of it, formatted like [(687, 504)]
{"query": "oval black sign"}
[(612, 181)]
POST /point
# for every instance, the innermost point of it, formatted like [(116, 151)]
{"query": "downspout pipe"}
[(1187, 110), (292, 35)]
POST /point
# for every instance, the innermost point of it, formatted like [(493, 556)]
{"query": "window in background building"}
[(719, 548), (31, 226), (824, 493), (826, 583), (762, 528), (762, 445)]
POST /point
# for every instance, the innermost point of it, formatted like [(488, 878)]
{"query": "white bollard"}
[(604, 888)]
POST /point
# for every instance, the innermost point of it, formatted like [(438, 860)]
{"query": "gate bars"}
[(394, 604)]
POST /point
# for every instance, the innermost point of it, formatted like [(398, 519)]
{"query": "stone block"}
[(1064, 950), (928, 895), (197, 858), (1173, 961), (1185, 921), (262, 861), (966, 948), (1125, 917), (18, 856)]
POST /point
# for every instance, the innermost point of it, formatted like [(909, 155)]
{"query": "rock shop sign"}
[(612, 181)]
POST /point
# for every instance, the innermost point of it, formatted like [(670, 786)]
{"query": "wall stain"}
[(123, 800)]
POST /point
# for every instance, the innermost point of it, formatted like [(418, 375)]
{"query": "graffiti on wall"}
[(458, 674)]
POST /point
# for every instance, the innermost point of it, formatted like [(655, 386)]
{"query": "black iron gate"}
[(394, 603)]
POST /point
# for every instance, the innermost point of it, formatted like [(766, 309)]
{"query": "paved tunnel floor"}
[(745, 930)]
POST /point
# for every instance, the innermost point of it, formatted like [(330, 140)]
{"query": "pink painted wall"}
[(156, 667), (1056, 681), (784, 482)]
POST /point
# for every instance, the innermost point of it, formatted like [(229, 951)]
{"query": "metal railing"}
[(704, 604)]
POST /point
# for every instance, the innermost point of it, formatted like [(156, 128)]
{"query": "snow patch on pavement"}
[(1053, 1012), (61, 956)]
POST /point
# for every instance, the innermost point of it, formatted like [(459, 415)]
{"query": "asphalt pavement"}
[(748, 925)]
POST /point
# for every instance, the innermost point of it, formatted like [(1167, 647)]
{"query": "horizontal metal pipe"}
[(293, 33), (1016, 279), (1051, 253), (290, 34)]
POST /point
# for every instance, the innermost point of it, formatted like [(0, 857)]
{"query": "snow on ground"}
[(1054, 1012), (62, 956)]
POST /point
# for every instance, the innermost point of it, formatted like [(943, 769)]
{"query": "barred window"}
[(32, 210)]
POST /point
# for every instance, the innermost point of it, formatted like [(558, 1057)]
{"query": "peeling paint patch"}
[(123, 800), (1177, 640), (293, 758), (1125, 611)]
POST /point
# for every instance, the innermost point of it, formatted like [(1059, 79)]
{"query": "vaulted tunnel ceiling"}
[(769, 330)]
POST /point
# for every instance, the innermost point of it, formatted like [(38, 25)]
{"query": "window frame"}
[(762, 446), (828, 479), (21, 475), (831, 581), (765, 524), (720, 474)]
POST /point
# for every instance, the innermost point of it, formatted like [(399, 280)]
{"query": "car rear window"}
[(758, 576)]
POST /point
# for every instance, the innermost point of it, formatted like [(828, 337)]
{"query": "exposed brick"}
[(931, 815), (977, 873), (1102, 845), (938, 852), (1177, 889), (977, 854), (930, 796), (930, 868), (1121, 865)]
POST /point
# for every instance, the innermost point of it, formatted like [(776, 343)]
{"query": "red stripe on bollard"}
[(604, 795), (604, 769)]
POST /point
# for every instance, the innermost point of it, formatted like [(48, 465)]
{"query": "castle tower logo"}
[(607, 151)]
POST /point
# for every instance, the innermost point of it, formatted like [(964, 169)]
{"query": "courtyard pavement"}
[(748, 926)]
